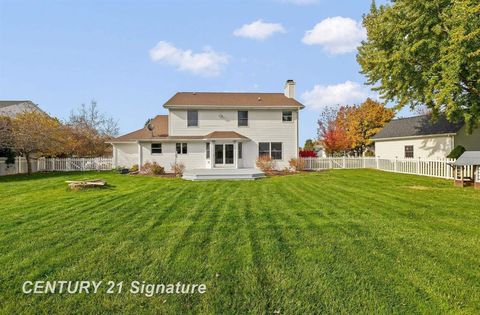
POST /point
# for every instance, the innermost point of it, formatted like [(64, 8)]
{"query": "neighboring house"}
[(206, 130), (422, 137), (13, 108), (319, 148)]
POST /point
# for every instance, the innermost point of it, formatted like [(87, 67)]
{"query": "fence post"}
[(395, 164), (377, 163), (344, 162)]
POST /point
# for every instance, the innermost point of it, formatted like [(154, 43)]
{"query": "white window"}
[(287, 115), (182, 148), (192, 118), (271, 149), (243, 118), (408, 151), (156, 148)]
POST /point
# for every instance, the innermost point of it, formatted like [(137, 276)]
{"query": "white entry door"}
[(224, 155)]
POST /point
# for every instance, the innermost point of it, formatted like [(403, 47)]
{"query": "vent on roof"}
[(194, 93), (259, 98)]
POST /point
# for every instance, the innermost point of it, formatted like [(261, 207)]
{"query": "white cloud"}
[(207, 63), (347, 93), (337, 35), (259, 30)]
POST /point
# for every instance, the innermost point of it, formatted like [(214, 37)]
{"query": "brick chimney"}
[(290, 89)]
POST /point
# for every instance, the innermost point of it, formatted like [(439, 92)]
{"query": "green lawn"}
[(344, 241)]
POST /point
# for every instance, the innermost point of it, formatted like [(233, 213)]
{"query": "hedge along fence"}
[(55, 165), (426, 167)]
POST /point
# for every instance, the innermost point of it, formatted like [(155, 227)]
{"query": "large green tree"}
[(426, 52)]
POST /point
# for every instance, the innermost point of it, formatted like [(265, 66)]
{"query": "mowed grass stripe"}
[(342, 241)]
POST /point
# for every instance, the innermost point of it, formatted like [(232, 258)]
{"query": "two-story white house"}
[(216, 131)]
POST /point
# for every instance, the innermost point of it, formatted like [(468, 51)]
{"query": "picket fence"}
[(426, 167), (55, 164)]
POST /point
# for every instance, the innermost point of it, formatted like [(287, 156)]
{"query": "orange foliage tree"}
[(33, 134), (365, 121), (332, 130)]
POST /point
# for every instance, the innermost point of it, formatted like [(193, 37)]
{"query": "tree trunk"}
[(29, 167)]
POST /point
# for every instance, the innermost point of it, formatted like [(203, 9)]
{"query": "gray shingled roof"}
[(417, 126), (10, 103), (468, 158)]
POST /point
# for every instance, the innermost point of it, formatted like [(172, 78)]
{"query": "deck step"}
[(223, 174)]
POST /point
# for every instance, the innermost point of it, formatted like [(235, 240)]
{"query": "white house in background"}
[(210, 131), (422, 137), (319, 148), (13, 108)]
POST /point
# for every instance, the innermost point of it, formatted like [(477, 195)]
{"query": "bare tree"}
[(89, 117)]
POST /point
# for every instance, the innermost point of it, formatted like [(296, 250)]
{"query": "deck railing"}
[(426, 167)]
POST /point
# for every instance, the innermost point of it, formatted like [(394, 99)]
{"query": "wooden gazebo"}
[(467, 169)]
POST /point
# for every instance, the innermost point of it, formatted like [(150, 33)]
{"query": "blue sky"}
[(61, 54)]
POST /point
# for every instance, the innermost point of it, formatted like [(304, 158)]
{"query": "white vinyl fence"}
[(55, 164), (435, 168)]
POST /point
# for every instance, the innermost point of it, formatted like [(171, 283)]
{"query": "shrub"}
[(296, 164), (152, 169), (265, 163), (456, 152), (134, 168), (369, 153), (178, 169), (307, 153)]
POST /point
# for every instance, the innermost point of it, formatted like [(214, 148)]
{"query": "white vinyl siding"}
[(264, 125)]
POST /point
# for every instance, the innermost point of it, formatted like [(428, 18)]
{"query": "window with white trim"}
[(271, 149), (156, 148), (243, 118), (287, 115), (181, 148), (192, 118), (207, 150), (408, 151)]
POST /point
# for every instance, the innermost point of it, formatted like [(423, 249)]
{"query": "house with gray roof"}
[(423, 137), (13, 108)]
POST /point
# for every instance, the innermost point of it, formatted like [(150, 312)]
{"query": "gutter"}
[(415, 137)]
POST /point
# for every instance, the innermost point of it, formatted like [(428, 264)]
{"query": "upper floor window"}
[(192, 118), (242, 118), (182, 148), (156, 148), (287, 115), (409, 151)]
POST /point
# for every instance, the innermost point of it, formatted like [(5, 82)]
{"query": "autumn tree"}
[(32, 134), (332, 130), (365, 121), (309, 145), (425, 53), (88, 131)]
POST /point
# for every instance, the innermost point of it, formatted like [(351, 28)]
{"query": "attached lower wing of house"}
[(205, 130), (423, 137)]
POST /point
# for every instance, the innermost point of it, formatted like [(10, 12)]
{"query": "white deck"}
[(223, 173)]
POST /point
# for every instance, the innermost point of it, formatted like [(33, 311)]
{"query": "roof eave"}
[(416, 137), (168, 106)]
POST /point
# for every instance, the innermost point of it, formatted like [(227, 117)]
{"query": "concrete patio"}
[(223, 173)]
